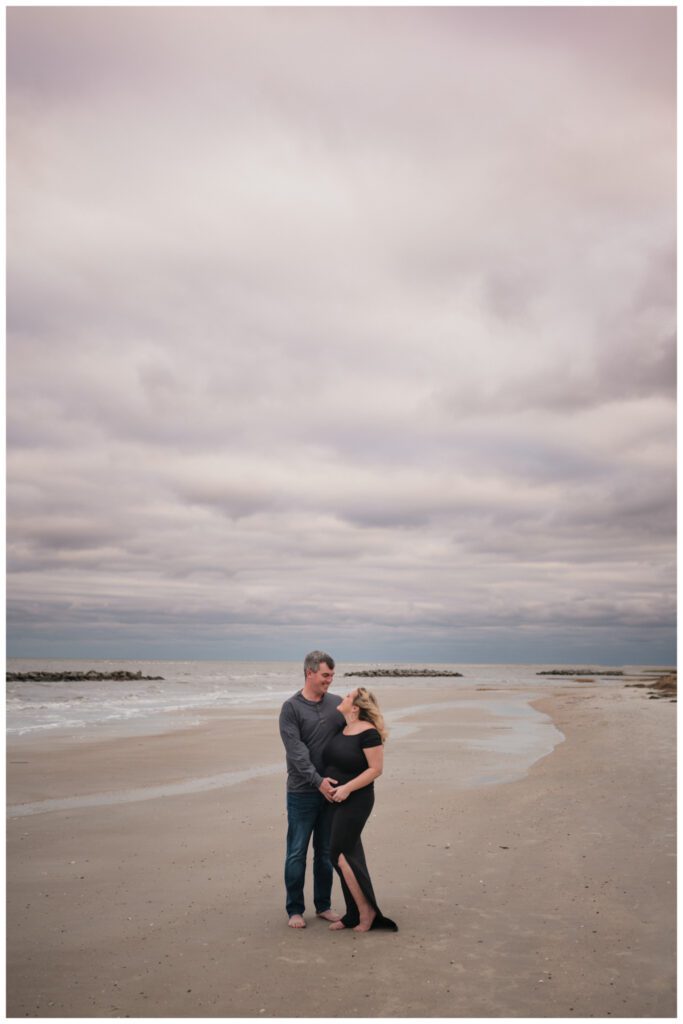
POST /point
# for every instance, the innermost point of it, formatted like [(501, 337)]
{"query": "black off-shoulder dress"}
[(345, 759)]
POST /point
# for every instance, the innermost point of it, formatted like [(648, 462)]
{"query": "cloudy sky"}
[(341, 327)]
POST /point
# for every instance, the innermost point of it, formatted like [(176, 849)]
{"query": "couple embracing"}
[(335, 751)]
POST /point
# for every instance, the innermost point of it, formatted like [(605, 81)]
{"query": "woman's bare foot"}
[(329, 915), (296, 921), (337, 926), (365, 923)]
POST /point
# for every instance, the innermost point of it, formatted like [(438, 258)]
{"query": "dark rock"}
[(403, 673), (580, 672), (75, 677), (665, 686)]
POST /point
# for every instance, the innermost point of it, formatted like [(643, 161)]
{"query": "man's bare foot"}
[(329, 915), (296, 921), (365, 923), (337, 926)]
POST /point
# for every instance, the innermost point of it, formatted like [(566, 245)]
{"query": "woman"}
[(355, 758)]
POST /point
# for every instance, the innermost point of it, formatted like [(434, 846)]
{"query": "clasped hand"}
[(327, 788), (332, 792)]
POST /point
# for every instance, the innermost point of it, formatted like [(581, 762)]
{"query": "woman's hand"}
[(340, 793)]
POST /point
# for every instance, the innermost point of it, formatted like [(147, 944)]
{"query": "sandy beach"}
[(145, 872)]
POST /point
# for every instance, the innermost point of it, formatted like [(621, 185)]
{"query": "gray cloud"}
[(347, 322)]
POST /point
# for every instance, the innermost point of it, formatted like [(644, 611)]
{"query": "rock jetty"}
[(74, 677), (402, 673), (581, 672)]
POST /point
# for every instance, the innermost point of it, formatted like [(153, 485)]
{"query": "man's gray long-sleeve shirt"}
[(305, 728)]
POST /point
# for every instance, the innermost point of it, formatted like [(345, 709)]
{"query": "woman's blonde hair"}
[(369, 711)]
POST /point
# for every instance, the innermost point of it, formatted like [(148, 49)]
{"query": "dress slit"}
[(348, 820)]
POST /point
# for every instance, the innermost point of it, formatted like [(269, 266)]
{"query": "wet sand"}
[(156, 889)]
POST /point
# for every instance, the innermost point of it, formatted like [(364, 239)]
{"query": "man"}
[(307, 721)]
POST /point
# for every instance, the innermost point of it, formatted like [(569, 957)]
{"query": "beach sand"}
[(552, 894)]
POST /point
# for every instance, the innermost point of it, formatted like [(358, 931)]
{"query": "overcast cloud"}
[(342, 327)]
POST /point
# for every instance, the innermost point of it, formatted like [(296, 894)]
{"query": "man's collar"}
[(308, 700)]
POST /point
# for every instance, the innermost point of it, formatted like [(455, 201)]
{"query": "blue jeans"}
[(308, 815)]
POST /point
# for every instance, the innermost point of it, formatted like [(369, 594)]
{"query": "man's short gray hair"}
[(313, 661)]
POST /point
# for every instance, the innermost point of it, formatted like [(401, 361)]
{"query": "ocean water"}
[(189, 688)]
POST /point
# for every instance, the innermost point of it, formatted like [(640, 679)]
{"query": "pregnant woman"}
[(355, 757)]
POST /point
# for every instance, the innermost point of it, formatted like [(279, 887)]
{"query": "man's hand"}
[(326, 787)]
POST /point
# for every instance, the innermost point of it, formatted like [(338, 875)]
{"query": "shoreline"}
[(501, 732), (135, 705), (534, 897)]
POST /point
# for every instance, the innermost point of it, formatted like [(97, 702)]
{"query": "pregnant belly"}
[(334, 772)]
